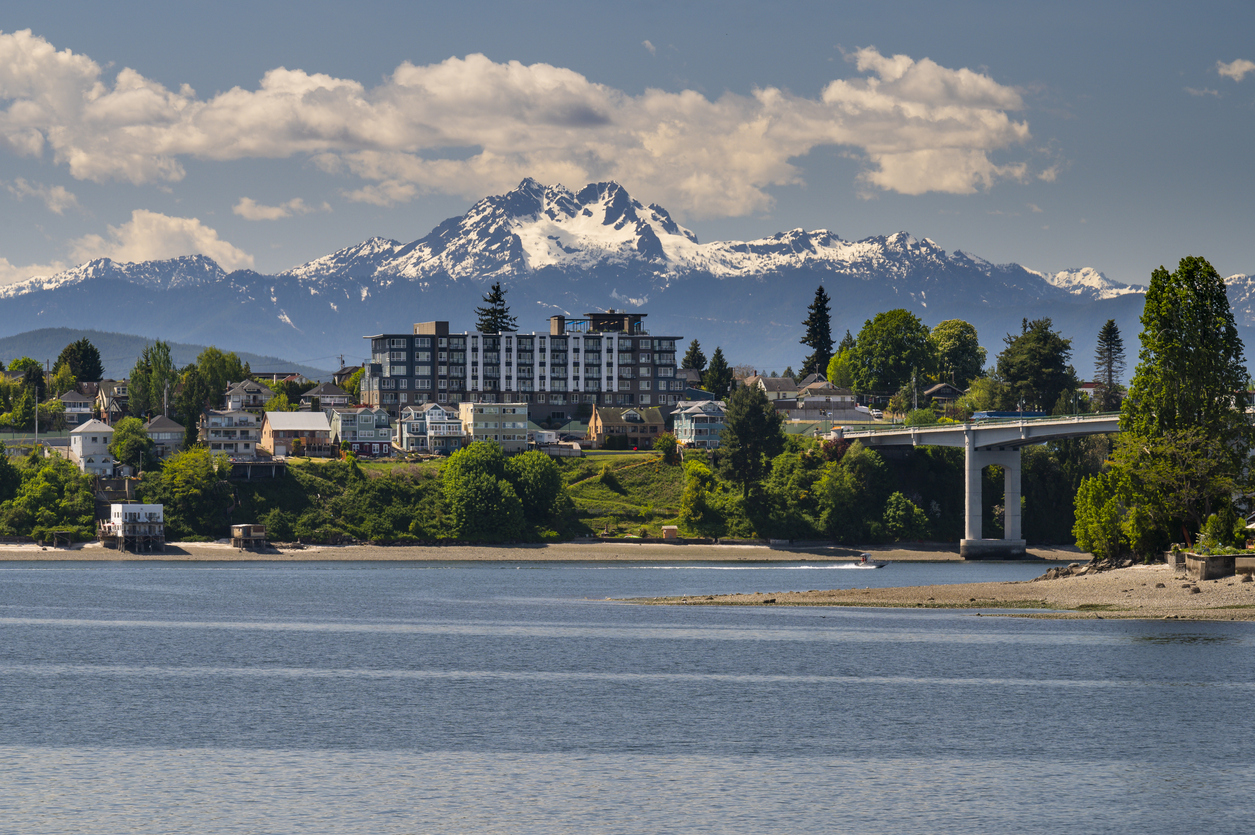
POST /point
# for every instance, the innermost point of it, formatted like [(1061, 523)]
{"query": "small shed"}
[(249, 536)]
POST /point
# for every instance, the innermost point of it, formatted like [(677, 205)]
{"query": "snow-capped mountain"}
[(571, 252)]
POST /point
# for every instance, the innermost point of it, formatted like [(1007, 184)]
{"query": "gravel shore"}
[(1144, 591)]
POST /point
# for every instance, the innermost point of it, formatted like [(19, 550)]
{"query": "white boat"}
[(864, 562)]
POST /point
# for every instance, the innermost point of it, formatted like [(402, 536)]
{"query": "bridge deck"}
[(988, 434)]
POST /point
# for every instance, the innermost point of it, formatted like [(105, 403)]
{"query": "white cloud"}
[(56, 198), (917, 126), (1033, 207), (1205, 91), (652, 49), (1236, 70), (12, 273), (250, 209), (150, 236)]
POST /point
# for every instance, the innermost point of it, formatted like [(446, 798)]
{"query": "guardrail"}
[(901, 427)]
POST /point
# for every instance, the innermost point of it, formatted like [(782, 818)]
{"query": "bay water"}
[(379, 697)]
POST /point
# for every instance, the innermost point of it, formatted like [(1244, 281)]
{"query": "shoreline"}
[(1141, 592), (607, 551)]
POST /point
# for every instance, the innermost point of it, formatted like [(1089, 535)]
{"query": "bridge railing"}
[(900, 427)]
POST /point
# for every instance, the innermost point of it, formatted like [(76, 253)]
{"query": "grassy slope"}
[(640, 492)]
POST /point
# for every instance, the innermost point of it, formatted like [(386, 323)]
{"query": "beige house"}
[(641, 426), (310, 430), (166, 435), (505, 423), (234, 433), (776, 388)]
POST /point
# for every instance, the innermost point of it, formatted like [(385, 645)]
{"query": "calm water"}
[(377, 698)]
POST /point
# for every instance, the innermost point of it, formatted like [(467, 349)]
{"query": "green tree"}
[(279, 403), (52, 495), (353, 385), (193, 488), (960, 358), (752, 436), (480, 502), (83, 359), (694, 358), (841, 369), (152, 379), (23, 414), (191, 401), (903, 519), (219, 370), (131, 444), (1108, 366), (669, 447), (718, 377), (537, 482), (852, 496), (494, 316), (1034, 365), (818, 337), (890, 348), (1102, 506), (63, 380)]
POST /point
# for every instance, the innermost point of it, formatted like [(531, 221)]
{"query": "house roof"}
[(325, 390), (811, 378), (249, 387), (822, 387), (699, 407), (161, 423), (620, 417), (944, 390), (776, 383), (298, 421), (74, 397), (93, 425)]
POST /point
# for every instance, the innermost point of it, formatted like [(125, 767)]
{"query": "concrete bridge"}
[(986, 442)]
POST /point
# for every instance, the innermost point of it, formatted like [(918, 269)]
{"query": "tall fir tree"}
[(818, 336), (494, 316), (83, 359), (718, 376), (751, 437), (1109, 365), (694, 358)]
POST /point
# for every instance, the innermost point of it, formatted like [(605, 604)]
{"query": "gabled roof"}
[(811, 378), (780, 384), (298, 421), (699, 407), (821, 389), (325, 390), (161, 423), (249, 387), (93, 425), (630, 416), (944, 390), (74, 397)]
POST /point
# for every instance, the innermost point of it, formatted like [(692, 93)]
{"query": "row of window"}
[(527, 343)]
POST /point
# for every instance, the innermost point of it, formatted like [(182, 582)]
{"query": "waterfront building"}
[(603, 359), (428, 428), (504, 423), (89, 448), (699, 425), (282, 433), (234, 433), (366, 429)]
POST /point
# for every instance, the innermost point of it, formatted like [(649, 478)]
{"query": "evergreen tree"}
[(694, 358), (847, 342), (718, 376), (1109, 365), (494, 316), (1035, 365), (818, 334), (83, 359), (752, 436)]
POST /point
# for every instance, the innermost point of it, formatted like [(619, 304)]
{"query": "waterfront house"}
[(282, 432), (428, 428), (166, 435), (89, 448), (699, 424), (366, 429), (504, 423), (641, 426), (233, 432)]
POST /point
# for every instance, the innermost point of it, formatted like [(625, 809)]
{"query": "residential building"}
[(699, 424), (505, 423), (282, 431), (943, 393), (341, 377), (111, 400), (270, 378), (820, 400), (366, 429), (89, 448), (328, 395), (641, 425), (246, 395), (604, 359), (233, 432), (167, 436), (776, 388), (78, 408), (428, 428)]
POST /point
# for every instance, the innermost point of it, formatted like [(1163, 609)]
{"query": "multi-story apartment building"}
[(504, 423), (605, 359), (234, 433)]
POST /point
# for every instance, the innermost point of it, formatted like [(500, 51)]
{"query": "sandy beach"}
[(1144, 591), (609, 551)]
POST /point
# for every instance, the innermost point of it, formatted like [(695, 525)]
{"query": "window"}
[(426, 384), (422, 356), (644, 399), (396, 343), (422, 342), (646, 385)]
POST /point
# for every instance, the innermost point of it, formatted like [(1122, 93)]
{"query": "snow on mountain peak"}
[(167, 274), (1087, 281)]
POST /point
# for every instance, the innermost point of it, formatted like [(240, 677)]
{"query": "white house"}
[(89, 448)]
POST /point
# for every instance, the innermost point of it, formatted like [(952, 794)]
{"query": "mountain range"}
[(558, 251)]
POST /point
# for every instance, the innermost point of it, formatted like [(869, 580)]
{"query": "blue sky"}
[(1108, 135)]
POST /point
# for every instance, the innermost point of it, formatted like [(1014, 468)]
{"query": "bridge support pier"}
[(973, 546)]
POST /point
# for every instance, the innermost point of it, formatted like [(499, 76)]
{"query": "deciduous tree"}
[(960, 358), (131, 444), (890, 348)]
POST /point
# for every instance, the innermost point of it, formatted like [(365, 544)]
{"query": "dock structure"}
[(249, 537), (133, 527)]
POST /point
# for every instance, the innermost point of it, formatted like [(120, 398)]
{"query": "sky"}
[(1116, 136)]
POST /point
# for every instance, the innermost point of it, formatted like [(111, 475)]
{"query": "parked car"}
[(876, 413)]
